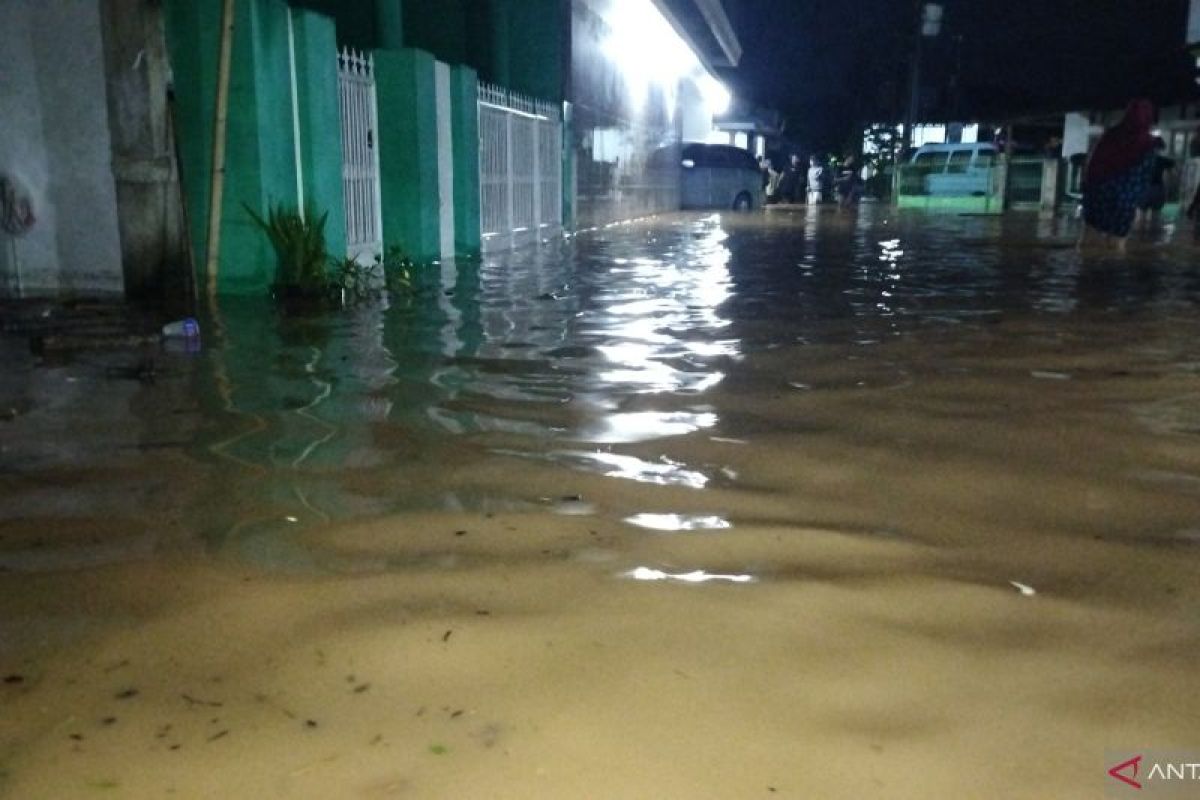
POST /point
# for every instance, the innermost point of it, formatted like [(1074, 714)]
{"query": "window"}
[(985, 158), (959, 161), (930, 161)]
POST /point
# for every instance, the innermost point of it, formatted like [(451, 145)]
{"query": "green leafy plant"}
[(389, 273), (397, 270), (299, 244), (356, 281)]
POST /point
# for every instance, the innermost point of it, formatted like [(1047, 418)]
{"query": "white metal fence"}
[(360, 154), (520, 169)]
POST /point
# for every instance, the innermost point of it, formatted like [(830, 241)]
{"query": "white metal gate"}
[(520, 169), (360, 155)]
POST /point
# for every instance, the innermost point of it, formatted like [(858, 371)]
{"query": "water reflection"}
[(679, 522), (609, 354), (695, 576)]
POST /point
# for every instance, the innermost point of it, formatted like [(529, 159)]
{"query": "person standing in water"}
[(1155, 197), (816, 178), (849, 190), (1118, 174)]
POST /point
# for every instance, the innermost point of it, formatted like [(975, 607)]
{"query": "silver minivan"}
[(720, 176)]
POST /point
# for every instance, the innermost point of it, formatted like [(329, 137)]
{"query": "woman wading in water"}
[(1118, 174)]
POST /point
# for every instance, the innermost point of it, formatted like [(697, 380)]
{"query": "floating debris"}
[(127, 694), (1050, 376), (1025, 589)]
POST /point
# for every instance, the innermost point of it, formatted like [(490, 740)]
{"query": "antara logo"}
[(1159, 774), (1131, 766)]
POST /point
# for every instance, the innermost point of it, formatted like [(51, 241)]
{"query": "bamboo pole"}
[(218, 152)]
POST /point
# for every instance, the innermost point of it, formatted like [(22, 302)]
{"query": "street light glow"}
[(648, 51)]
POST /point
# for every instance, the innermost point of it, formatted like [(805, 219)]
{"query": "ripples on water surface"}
[(704, 506)]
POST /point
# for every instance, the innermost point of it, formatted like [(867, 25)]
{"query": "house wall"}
[(54, 139), (623, 141)]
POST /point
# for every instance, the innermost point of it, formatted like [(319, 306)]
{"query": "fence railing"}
[(520, 168), (360, 154)]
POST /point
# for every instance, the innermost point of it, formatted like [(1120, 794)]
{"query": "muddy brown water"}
[(698, 507)]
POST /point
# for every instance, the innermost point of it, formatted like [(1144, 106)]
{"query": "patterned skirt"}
[(1110, 206)]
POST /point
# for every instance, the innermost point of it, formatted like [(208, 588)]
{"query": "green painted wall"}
[(258, 135), (260, 169), (261, 148), (320, 126), (464, 110), (408, 165)]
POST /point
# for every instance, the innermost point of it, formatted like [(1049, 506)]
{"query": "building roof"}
[(706, 28)]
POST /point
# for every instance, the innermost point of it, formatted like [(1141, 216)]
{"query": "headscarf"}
[(1122, 147)]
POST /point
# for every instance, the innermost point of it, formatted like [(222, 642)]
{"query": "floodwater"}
[(806, 506)]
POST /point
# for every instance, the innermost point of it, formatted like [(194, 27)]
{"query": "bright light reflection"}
[(697, 576), (646, 425), (664, 472), (677, 296), (679, 522)]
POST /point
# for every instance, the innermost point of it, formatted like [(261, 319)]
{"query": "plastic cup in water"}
[(182, 329)]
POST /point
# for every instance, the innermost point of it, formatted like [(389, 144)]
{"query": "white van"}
[(958, 170)]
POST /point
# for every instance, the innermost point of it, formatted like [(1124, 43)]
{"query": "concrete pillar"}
[(154, 250), (320, 122), (464, 100), (408, 163), (1051, 170), (1189, 183), (998, 197)]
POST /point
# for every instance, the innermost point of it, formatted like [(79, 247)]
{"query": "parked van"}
[(959, 170), (720, 176)]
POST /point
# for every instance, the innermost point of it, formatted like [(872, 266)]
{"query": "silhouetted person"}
[(791, 187), (849, 190)]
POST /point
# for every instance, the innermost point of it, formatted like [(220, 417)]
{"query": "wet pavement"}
[(803, 505)]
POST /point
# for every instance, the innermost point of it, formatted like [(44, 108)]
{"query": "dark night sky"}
[(830, 64)]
